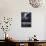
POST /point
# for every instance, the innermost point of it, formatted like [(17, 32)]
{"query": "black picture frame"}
[(25, 19)]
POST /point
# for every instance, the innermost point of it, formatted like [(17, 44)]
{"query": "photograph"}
[(25, 19)]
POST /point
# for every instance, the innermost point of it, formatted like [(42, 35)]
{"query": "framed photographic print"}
[(25, 19)]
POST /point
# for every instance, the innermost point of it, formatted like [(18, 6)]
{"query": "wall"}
[(45, 28), (13, 8)]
